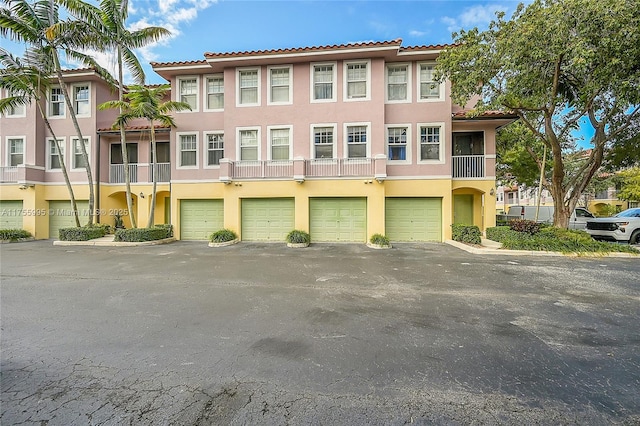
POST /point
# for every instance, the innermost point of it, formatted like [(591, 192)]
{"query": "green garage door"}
[(61, 216), (338, 219), (11, 214), (267, 219), (200, 218), (413, 219)]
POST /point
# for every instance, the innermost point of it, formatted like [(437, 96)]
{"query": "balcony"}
[(163, 171), (339, 167), (9, 174), (467, 166), (300, 168), (116, 173), (262, 169)]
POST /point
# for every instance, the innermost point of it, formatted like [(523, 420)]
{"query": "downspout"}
[(98, 181)]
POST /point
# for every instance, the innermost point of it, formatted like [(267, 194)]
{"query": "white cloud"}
[(476, 16), (451, 23), (416, 33)]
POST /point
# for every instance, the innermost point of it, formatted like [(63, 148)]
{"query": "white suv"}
[(624, 226)]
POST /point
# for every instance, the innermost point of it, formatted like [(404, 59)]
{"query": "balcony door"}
[(468, 143), (116, 167)]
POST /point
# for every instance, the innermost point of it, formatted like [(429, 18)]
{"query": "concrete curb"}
[(108, 242), (494, 248)]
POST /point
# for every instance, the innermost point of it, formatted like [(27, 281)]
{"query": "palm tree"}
[(146, 102), (38, 24), (111, 35), (27, 82)]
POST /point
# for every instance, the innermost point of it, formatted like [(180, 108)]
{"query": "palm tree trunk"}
[(123, 146), (154, 161)]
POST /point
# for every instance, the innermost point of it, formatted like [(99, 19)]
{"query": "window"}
[(81, 99), (56, 102), (429, 88), (215, 148), (397, 143), (357, 141), (357, 81), (398, 82), (323, 142), (280, 143), (431, 142), (132, 153), (54, 157), (248, 145), (188, 88), (188, 150), (78, 159), (280, 85), (248, 87), (323, 78), (17, 110), (16, 151), (215, 92)]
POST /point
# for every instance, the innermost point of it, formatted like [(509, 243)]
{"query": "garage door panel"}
[(11, 214), (61, 216), (338, 219), (414, 219), (200, 218), (267, 219)]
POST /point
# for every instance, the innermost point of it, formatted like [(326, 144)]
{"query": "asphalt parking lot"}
[(331, 334)]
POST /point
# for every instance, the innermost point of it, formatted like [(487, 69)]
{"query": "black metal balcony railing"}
[(467, 166)]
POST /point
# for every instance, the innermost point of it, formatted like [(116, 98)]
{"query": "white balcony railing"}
[(163, 172), (330, 167), (262, 169), (468, 166), (9, 174), (116, 173)]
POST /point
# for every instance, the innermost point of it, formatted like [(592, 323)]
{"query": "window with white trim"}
[(53, 157), (280, 141), (323, 77), (248, 145), (397, 82), (188, 150), (397, 138), (16, 110), (15, 150), (81, 99), (431, 143), (188, 90), (215, 92), (323, 138), (280, 85), (249, 87), (78, 159), (357, 80), (215, 148), (56, 102), (357, 141), (429, 87)]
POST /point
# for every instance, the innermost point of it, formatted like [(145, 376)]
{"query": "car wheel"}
[(635, 237)]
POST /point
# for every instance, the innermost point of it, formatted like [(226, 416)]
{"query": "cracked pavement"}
[(331, 334)]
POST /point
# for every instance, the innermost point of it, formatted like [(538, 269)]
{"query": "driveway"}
[(330, 334)]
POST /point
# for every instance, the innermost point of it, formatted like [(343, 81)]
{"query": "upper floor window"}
[(15, 150), (248, 145), (397, 138), (323, 77), (56, 102), (55, 156), (431, 142), (188, 89), (215, 92), (280, 140), (16, 110), (357, 137), (429, 87), (323, 142), (398, 82), (78, 158), (188, 152), (280, 85), (215, 148), (357, 81), (248, 87), (81, 99)]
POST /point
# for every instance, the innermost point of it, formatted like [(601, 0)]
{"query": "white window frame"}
[(23, 108), (270, 101), (179, 150), (238, 88), (74, 103), (407, 65), (72, 147), (441, 86), (49, 104), (345, 137), (179, 81), (205, 148), (408, 143), (205, 90), (334, 150), (443, 142), (334, 81), (63, 145), (270, 129), (345, 81), (9, 153), (239, 130)]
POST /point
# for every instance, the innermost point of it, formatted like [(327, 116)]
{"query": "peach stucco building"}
[(341, 141)]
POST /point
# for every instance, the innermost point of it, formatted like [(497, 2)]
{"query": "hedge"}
[(298, 237), (223, 236), (14, 234), (136, 235), (84, 233), (469, 234)]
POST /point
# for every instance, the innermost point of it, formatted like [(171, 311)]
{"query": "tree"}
[(519, 156), (29, 82), (630, 184), (107, 23), (558, 65), (146, 102)]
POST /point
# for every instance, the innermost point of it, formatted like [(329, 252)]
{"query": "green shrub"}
[(499, 233), (84, 233), (137, 235), (469, 234), (108, 229), (379, 240), (524, 225), (223, 236), (168, 227), (298, 237), (14, 234)]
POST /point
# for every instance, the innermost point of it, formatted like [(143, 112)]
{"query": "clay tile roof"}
[(425, 47), (461, 115), (396, 42), (179, 63), (133, 128)]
